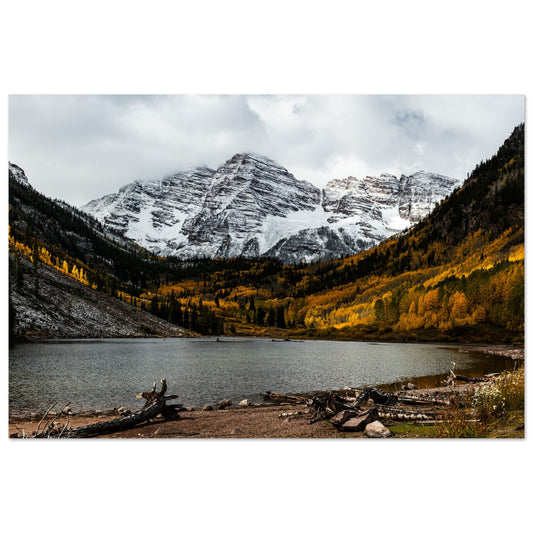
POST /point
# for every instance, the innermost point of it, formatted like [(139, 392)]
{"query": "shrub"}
[(503, 393), (458, 421)]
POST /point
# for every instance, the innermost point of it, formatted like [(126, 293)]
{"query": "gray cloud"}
[(80, 147)]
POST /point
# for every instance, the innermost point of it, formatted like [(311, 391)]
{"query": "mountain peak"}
[(251, 204), (16, 173), (252, 159)]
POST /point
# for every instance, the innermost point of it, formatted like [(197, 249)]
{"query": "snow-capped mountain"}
[(252, 206)]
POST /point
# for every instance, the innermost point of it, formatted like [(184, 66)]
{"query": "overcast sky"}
[(78, 148)]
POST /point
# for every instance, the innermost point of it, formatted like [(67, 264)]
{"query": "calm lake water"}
[(102, 374)]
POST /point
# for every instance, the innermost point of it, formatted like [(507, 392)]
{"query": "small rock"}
[(245, 403), (377, 430), (207, 408), (236, 431), (410, 386), (223, 404), (188, 409), (358, 423)]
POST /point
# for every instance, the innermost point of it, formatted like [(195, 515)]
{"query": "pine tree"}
[(18, 272), (35, 262)]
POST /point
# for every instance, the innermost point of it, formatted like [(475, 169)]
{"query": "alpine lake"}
[(103, 374)]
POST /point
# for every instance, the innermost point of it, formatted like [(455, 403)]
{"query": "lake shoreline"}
[(268, 420), (504, 350)]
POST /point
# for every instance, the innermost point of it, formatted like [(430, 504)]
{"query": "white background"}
[(419, 47)]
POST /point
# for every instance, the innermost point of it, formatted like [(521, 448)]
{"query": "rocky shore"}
[(416, 416), (503, 350)]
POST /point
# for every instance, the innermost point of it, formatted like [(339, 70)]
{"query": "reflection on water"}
[(105, 374)]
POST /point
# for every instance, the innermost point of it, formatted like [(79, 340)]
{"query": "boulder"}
[(359, 422), (245, 403), (377, 430), (207, 408), (343, 416)]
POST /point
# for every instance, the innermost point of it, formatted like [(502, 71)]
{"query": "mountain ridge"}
[(253, 206)]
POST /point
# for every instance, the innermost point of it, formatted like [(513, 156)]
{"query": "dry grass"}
[(487, 409)]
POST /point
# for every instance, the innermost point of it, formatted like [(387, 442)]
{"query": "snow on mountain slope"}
[(16, 173), (252, 206), (152, 212)]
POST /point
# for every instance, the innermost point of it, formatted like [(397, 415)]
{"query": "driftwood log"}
[(155, 405), (453, 377), (377, 396), (276, 397)]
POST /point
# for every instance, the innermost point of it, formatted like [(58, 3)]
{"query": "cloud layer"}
[(81, 147)]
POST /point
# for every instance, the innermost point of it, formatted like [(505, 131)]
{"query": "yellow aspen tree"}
[(459, 305)]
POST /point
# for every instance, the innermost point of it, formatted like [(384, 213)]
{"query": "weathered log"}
[(318, 408), (377, 396), (283, 398), (155, 405), (458, 377), (450, 380), (117, 424), (422, 400), (322, 408)]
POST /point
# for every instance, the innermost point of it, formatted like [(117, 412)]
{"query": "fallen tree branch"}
[(155, 405)]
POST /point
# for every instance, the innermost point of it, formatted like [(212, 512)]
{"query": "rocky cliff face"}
[(420, 192), (244, 192), (254, 207), (17, 174)]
